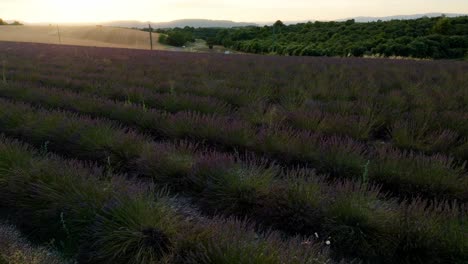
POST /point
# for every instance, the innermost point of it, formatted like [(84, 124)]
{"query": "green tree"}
[(439, 37), (442, 26), (278, 24), (163, 38), (178, 38), (350, 22), (210, 42), (418, 49)]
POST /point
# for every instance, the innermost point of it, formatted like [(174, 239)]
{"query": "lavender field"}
[(133, 156)]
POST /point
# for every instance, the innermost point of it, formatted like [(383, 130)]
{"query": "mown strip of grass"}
[(358, 221)]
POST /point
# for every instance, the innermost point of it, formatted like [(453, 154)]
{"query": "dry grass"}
[(16, 250), (81, 35)]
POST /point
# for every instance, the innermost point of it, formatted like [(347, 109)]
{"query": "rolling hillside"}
[(203, 23)]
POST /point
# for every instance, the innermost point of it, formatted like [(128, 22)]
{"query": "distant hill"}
[(203, 23), (207, 23), (364, 19), (400, 17)]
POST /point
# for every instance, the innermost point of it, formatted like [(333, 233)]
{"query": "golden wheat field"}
[(98, 36)]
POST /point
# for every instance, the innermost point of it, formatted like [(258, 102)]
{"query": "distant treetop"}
[(279, 23), (438, 38), (4, 23)]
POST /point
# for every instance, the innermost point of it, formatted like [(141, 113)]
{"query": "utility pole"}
[(274, 38), (58, 33), (274, 34), (4, 71), (151, 35)]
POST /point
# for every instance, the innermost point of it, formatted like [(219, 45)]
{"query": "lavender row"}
[(405, 173), (354, 218), (99, 217), (171, 101), (289, 81), (423, 129), (386, 90), (234, 97)]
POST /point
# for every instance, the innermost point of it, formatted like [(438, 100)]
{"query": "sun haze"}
[(240, 10)]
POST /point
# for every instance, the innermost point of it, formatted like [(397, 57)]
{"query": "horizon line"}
[(228, 20)]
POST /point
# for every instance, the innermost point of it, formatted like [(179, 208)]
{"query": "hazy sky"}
[(239, 10)]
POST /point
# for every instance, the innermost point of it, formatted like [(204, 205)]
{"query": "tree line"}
[(14, 23), (437, 38)]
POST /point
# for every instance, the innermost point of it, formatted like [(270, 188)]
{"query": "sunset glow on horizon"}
[(242, 10)]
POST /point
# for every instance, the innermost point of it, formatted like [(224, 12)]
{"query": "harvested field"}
[(81, 35)]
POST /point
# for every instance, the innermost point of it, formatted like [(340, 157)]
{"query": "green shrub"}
[(233, 189), (407, 173), (134, 230), (427, 227), (360, 225)]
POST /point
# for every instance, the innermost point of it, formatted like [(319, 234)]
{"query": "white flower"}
[(316, 235), (328, 242)]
